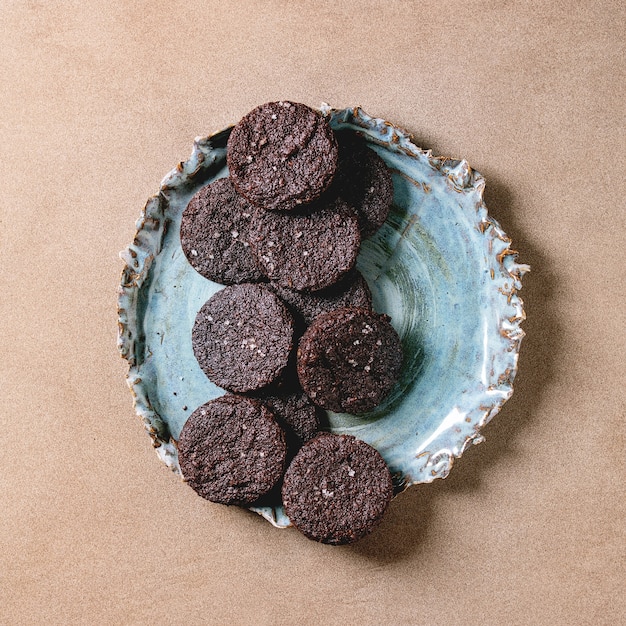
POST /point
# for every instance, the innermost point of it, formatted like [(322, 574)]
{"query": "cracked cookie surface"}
[(348, 360), (282, 155), (242, 337), (337, 489)]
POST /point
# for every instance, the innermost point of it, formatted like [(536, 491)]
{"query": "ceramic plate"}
[(440, 267)]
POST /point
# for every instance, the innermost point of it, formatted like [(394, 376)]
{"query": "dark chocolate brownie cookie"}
[(242, 337), (364, 181), (232, 451), (281, 155), (349, 359), (306, 252), (336, 489), (350, 291), (295, 412), (214, 235)]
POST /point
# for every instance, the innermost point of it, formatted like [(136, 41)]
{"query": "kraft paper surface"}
[(100, 100)]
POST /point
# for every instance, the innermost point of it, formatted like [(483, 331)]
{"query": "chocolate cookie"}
[(349, 359), (281, 155), (214, 235), (295, 412), (364, 181), (306, 252), (242, 337), (336, 489), (305, 307), (232, 451)]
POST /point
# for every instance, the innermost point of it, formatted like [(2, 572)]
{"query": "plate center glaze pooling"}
[(440, 267)]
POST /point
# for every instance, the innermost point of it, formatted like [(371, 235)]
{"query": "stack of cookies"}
[(293, 333)]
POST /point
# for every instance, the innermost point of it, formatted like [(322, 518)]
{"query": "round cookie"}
[(349, 359), (350, 291), (281, 155), (306, 252), (364, 181), (214, 234), (232, 451), (242, 337), (336, 489)]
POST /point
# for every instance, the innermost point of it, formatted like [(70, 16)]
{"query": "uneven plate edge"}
[(151, 228)]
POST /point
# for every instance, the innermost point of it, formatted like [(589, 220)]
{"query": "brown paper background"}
[(100, 100)]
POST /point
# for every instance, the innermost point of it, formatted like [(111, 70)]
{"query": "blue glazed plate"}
[(440, 267)]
